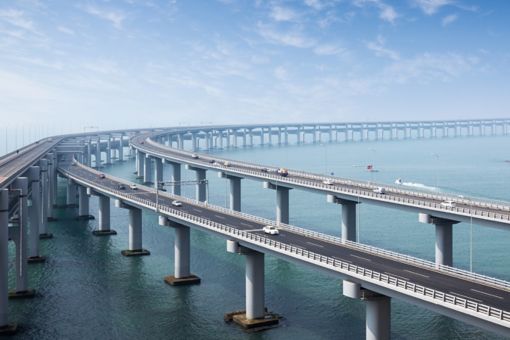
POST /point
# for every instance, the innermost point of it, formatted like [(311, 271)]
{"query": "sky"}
[(97, 64)]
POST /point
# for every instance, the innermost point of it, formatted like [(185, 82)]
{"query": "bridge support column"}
[(282, 201), (52, 183), (255, 314), (34, 215), (121, 148), (43, 230), (234, 192), (201, 186), (176, 177), (147, 169), (19, 236), (109, 150), (104, 217), (135, 231), (140, 160), (84, 204), (444, 238), (5, 327), (182, 274), (349, 232), (98, 153), (71, 194), (158, 174), (378, 315)]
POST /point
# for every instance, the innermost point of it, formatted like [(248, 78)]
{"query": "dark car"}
[(211, 161), (121, 187), (102, 176), (264, 170)]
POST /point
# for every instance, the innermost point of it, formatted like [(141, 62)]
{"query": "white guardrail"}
[(366, 190), (340, 266)]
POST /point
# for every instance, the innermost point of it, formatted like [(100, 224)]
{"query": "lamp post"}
[(180, 183)]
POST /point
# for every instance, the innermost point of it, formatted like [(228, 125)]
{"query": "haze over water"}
[(90, 291)]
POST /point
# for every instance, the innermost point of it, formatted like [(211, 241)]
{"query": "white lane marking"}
[(315, 244), (341, 259), (296, 246), (361, 257), (247, 224), (465, 297), (197, 210), (219, 216), (251, 230), (402, 277), (415, 273), (489, 294)]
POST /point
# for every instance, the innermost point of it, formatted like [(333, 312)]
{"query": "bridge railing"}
[(340, 266)]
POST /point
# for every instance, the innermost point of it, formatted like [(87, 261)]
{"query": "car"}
[(283, 172), (448, 204), (121, 187), (177, 203), (327, 182), (379, 190), (102, 176), (226, 163), (271, 230), (212, 161), (142, 142), (264, 170), (133, 187), (73, 163), (194, 156)]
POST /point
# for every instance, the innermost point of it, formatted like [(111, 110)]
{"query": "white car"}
[(194, 155), (133, 187), (448, 204), (379, 190), (177, 203), (271, 230), (327, 182)]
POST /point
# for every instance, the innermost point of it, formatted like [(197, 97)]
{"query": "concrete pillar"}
[(158, 175), (20, 185), (109, 150), (182, 274), (234, 192), (83, 204), (71, 193), (104, 217), (34, 215), (444, 238), (98, 153), (135, 233), (201, 188), (121, 148), (193, 142), (349, 221), (180, 141), (176, 178), (43, 228), (378, 317), (89, 153), (282, 205), (147, 169), (4, 261), (140, 164), (52, 174), (255, 306), (251, 137)]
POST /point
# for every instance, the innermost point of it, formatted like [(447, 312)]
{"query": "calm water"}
[(88, 290)]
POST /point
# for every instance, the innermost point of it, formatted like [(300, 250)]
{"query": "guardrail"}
[(340, 266)]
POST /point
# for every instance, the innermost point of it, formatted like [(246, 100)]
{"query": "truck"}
[(283, 172)]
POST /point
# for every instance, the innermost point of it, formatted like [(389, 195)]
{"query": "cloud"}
[(283, 14), (430, 7), (65, 30), (17, 18), (315, 4), (380, 50), (386, 12), (280, 73), (116, 18), (449, 19), (328, 50), (294, 39)]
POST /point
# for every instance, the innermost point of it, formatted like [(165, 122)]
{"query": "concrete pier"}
[(234, 191), (20, 186), (5, 327), (147, 169), (444, 238), (43, 227), (104, 217), (378, 316), (282, 201), (140, 159), (72, 192), (348, 228), (176, 177), (98, 153), (158, 172), (34, 215), (135, 231), (84, 204), (201, 186), (255, 314), (182, 273)]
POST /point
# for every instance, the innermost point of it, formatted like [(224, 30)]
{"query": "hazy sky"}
[(148, 63)]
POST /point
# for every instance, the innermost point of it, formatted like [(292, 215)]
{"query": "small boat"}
[(370, 168), (398, 181)]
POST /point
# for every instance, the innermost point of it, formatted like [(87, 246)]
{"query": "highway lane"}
[(344, 187), (469, 288)]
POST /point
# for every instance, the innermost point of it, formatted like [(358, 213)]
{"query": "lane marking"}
[(415, 273), (465, 297), (315, 244), (219, 216), (247, 224), (341, 259), (401, 277), (252, 230), (296, 246), (488, 294), (197, 210), (361, 257)]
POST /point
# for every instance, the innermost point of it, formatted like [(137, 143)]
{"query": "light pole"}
[(161, 184)]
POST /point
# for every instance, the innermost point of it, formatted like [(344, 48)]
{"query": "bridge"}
[(372, 274)]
